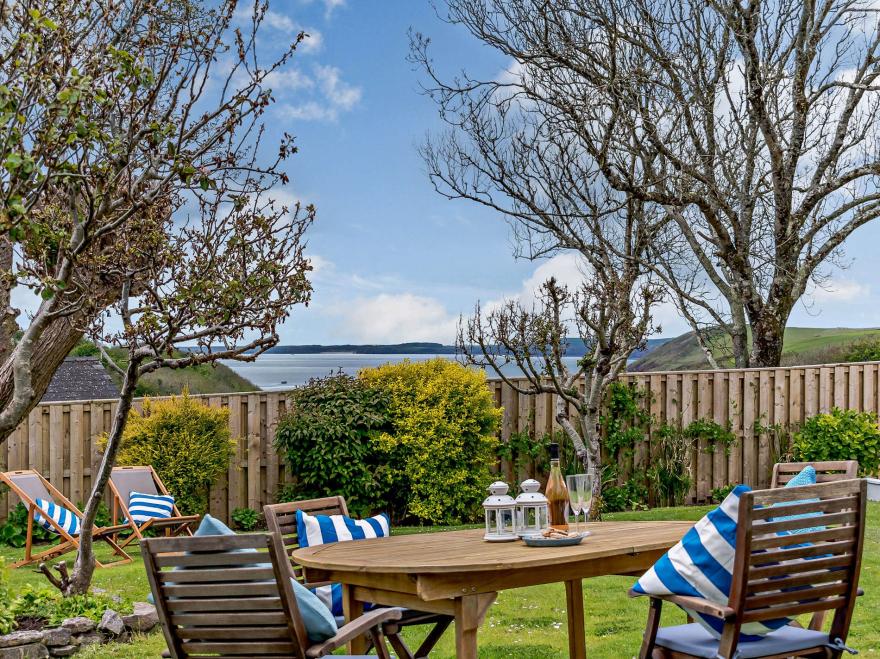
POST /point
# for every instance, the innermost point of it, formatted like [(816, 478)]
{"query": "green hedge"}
[(840, 435), (188, 443), (414, 439)]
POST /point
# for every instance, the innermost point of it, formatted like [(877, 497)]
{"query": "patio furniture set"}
[(788, 551)]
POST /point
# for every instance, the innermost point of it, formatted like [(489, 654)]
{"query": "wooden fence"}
[(60, 439)]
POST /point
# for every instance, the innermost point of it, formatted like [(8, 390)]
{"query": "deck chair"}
[(124, 481), (826, 472), (281, 519), (232, 596), (779, 576), (29, 486)]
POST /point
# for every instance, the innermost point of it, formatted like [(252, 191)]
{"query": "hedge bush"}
[(188, 443), (840, 435), (326, 440), (435, 458)]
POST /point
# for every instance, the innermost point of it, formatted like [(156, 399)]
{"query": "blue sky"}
[(394, 260)]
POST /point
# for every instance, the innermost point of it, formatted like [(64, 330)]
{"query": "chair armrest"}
[(697, 604), (353, 629)]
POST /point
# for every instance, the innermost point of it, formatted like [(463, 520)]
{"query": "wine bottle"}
[(557, 492)]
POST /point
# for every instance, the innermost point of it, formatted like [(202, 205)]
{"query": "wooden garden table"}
[(458, 573)]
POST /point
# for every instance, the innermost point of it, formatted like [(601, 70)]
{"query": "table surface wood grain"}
[(458, 573)]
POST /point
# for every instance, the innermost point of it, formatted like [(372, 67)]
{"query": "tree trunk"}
[(768, 331), (84, 567), (739, 335), (58, 339), (593, 463)]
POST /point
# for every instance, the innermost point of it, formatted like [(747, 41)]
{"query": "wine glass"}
[(574, 484), (585, 493)]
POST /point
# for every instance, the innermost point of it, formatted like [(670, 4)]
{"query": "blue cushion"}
[(319, 622), (144, 507), (213, 526), (693, 639), (701, 565), (65, 518), (315, 530), (807, 476)]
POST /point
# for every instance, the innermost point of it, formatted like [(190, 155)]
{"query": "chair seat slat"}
[(226, 648), (780, 555), (243, 619), (829, 536), (774, 527), (793, 581), (800, 595), (243, 604)]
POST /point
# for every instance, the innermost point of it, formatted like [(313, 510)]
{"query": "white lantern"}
[(500, 508), (532, 509)]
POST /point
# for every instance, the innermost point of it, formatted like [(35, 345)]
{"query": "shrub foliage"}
[(188, 443), (326, 440), (840, 435), (437, 454), (416, 440)]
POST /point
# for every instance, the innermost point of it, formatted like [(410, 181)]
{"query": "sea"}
[(276, 371)]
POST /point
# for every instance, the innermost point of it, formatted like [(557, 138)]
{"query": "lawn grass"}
[(530, 622)]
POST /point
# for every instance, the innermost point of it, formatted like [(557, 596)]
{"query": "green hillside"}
[(201, 379), (803, 345)]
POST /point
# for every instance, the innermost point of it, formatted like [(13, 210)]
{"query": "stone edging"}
[(75, 633)]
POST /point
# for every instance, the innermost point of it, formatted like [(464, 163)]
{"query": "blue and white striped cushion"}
[(701, 565), (65, 519), (144, 507), (324, 529)]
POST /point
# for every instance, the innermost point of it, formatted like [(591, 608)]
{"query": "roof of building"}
[(80, 378)]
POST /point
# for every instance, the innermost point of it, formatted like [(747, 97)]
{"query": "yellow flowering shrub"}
[(188, 443), (435, 461)]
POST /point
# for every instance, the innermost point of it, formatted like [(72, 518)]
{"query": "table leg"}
[(467, 621), (352, 609), (574, 596)]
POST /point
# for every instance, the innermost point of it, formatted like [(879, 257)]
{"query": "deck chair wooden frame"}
[(770, 569), (281, 519), (232, 596), (826, 472), (24, 484), (174, 525)]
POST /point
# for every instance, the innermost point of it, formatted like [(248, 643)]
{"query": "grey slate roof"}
[(80, 378)]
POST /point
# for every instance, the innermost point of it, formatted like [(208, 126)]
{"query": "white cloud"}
[(396, 318), (340, 94), (839, 290), (279, 22), (337, 96), (283, 81)]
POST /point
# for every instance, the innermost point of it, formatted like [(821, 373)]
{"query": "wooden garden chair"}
[(281, 519), (145, 480), (826, 472), (778, 576), (232, 596), (29, 485)]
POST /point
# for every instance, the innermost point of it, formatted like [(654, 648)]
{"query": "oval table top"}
[(466, 551)]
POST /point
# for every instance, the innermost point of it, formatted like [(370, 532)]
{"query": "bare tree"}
[(753, 124), (214, 288), (113, 116), (612, 317), (508, 150)]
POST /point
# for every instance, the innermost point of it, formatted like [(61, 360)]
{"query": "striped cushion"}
[(701, 565), (144, 507), (324, 529), (807, 476), (65, 519)]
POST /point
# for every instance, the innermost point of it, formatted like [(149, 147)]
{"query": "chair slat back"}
[(225, 596), (826, 472), (787, 565), (281, 519)]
